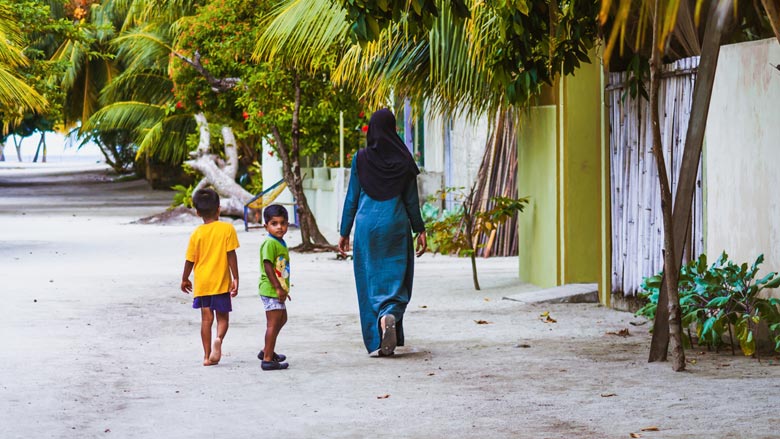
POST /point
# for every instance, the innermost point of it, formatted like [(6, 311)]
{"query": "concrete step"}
[(570, 293)]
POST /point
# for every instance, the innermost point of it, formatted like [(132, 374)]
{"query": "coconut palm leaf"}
[(156, 132), (144, 48), (147, 87), (167, 139), (16, 96), (304, 33), (450, 69)]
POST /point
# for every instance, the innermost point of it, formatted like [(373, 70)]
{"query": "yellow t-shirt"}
[(208, 248)]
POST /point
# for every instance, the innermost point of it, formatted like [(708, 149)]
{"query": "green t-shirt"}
[(275, 251)]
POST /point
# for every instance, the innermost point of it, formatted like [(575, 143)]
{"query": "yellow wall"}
[(537, 178), (560, 153)]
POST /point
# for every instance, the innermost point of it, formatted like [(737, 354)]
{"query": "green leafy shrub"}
[(183, 195), (720, 297), (453, 231)]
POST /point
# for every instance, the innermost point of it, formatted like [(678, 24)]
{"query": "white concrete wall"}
[(467, 139), (742, 155)]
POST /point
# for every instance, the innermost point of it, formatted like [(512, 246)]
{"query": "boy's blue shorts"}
[(217, 302)]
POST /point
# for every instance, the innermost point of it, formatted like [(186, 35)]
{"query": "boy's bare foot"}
[(216, 351), (207, 362)]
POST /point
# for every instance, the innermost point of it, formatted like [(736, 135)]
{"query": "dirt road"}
[(99, 342)]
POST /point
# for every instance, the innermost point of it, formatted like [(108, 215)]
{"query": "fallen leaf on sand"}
[(622, 333), (487, 299), (423, 306), (637, 323), (522, 345), (482, 322), (692, 361), (634, 435), (650, 429), (385, 396), (431, 374), (607, 395), (545, 317)]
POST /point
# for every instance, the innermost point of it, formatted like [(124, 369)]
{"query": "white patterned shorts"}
[(272, 303)]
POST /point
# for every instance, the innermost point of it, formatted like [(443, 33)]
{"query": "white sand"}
[(99, 342)]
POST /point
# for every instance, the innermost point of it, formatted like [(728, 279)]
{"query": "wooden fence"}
[(637, 224)]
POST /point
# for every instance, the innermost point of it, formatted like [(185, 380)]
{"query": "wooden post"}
[(341, 139)]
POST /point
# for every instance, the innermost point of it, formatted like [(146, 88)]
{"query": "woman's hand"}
[(422, 244), (343, 245)]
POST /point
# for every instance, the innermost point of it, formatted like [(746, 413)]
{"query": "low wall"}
[(326, 188)]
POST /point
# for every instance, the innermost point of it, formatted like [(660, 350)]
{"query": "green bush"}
[(720, 297), (183, 195)]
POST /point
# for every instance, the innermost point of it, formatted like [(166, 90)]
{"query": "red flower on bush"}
[(179, 105), (362, 115), (364, 128), (245, 115)]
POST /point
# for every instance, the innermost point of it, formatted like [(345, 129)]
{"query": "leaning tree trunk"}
[(311, 237), (221, 175), (702, 92), (773, 12), (671, 270)]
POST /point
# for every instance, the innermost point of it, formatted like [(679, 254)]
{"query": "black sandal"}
[(273, 365), (389, 341), (277, 357)]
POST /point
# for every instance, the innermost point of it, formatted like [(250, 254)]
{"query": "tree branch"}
[(219, 85)]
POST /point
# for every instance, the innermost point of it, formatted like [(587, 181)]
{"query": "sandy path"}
[(99, 342)]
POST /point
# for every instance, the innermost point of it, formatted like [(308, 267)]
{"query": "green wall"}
[(581, 176), (537, 178), (560, 167)]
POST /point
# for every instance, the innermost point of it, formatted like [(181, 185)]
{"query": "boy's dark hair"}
[(206, 202), (274, 210)]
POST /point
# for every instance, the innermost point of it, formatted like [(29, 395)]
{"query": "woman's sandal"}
[(273, 365), (389, 341)]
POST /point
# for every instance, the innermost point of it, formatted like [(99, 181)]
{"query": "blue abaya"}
[(383, 254)]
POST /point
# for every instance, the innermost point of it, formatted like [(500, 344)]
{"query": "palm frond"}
[(16, 95), (150, 87), (144, 48), (303, 33), (133, 116), (167, 139)]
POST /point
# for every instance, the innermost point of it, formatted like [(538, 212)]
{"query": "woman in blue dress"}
[(383, 204)]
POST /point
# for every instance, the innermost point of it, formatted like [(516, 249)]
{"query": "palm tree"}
[(451, 66), (16, 96)]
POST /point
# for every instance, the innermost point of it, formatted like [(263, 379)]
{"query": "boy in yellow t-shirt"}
[(212, 253)]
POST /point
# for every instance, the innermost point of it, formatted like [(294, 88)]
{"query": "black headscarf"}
[(385, 165)]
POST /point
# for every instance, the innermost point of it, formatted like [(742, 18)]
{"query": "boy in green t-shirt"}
[(274, 283)]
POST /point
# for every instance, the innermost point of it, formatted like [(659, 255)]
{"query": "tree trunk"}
[(671, 269), (773, 12), (37, 152), (18, 145), (43, 140), (311, 237), (221, 178), (702, 92)]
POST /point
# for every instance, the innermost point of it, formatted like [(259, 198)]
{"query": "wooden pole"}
[(341, 139)]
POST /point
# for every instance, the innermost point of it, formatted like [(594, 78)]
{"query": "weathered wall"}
[(742, 153), (467, 145)]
